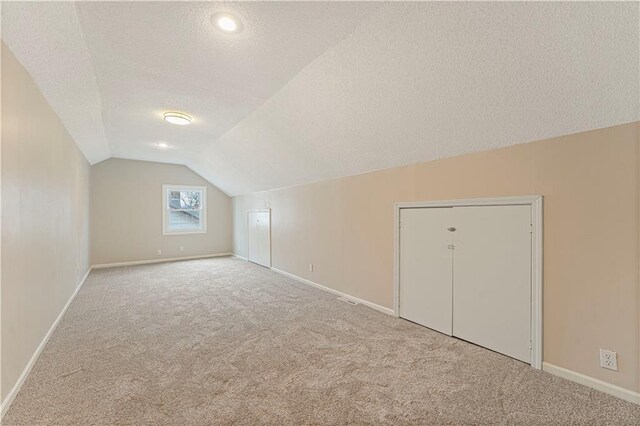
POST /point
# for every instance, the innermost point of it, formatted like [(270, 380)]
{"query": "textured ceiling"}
[(110, 69), (312, 91)]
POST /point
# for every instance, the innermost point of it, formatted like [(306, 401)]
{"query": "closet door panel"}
[(259, 237), (264, 240), (252, 249), (492, 278), (426, 267)]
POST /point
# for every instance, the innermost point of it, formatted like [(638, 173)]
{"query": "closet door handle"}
[(451, 229)]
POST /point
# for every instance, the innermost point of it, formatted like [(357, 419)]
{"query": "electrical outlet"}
[(159, 251), (181, 248), (608, 359), (311, 267)]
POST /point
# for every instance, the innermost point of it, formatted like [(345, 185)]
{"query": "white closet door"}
[(264, 239), (492, 278), (259, 237), (426, 267), (252, 233)]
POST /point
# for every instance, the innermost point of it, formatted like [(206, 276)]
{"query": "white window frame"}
[(165, 208)]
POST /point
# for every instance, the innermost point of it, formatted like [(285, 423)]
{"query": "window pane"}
[(184, 199), (183, 220)]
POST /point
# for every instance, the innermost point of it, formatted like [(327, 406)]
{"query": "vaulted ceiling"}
[(317, 90)]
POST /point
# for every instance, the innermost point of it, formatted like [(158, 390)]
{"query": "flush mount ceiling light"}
[(161, 146), (179, 118), (226, 22)]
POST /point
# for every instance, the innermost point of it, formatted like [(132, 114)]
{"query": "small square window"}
[(184, 209)]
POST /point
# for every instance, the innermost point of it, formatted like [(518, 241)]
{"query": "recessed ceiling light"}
[(162, 145), (178, 118), (226, 22)]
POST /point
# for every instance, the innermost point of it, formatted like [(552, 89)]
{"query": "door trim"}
[(535, 201), (247, 224)]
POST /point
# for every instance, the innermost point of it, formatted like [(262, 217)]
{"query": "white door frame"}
[(535, 201), (259, 211)]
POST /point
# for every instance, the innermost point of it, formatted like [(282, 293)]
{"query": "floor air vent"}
[(351, 302)]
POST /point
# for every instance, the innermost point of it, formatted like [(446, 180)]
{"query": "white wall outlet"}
[(608, 359), (159, 251), (181, 248), (311, 267)]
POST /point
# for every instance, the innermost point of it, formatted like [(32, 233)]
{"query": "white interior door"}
[(252, 235), (264, 239), (259, 237), (492, 278), (426, 267)]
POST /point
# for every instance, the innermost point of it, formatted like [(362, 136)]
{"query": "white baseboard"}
[(239, 257), (166, 259), (371, 305), (27, 369), (593, 383)]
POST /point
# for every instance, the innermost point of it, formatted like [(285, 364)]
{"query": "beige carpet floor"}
[(222, 341)]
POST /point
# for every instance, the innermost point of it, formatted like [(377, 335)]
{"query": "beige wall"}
[(590, 182), (45, 218), (126, 213)]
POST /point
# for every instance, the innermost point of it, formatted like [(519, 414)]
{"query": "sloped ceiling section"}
[(48, 40), (312, 91), (421, 81), (144, 58)]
